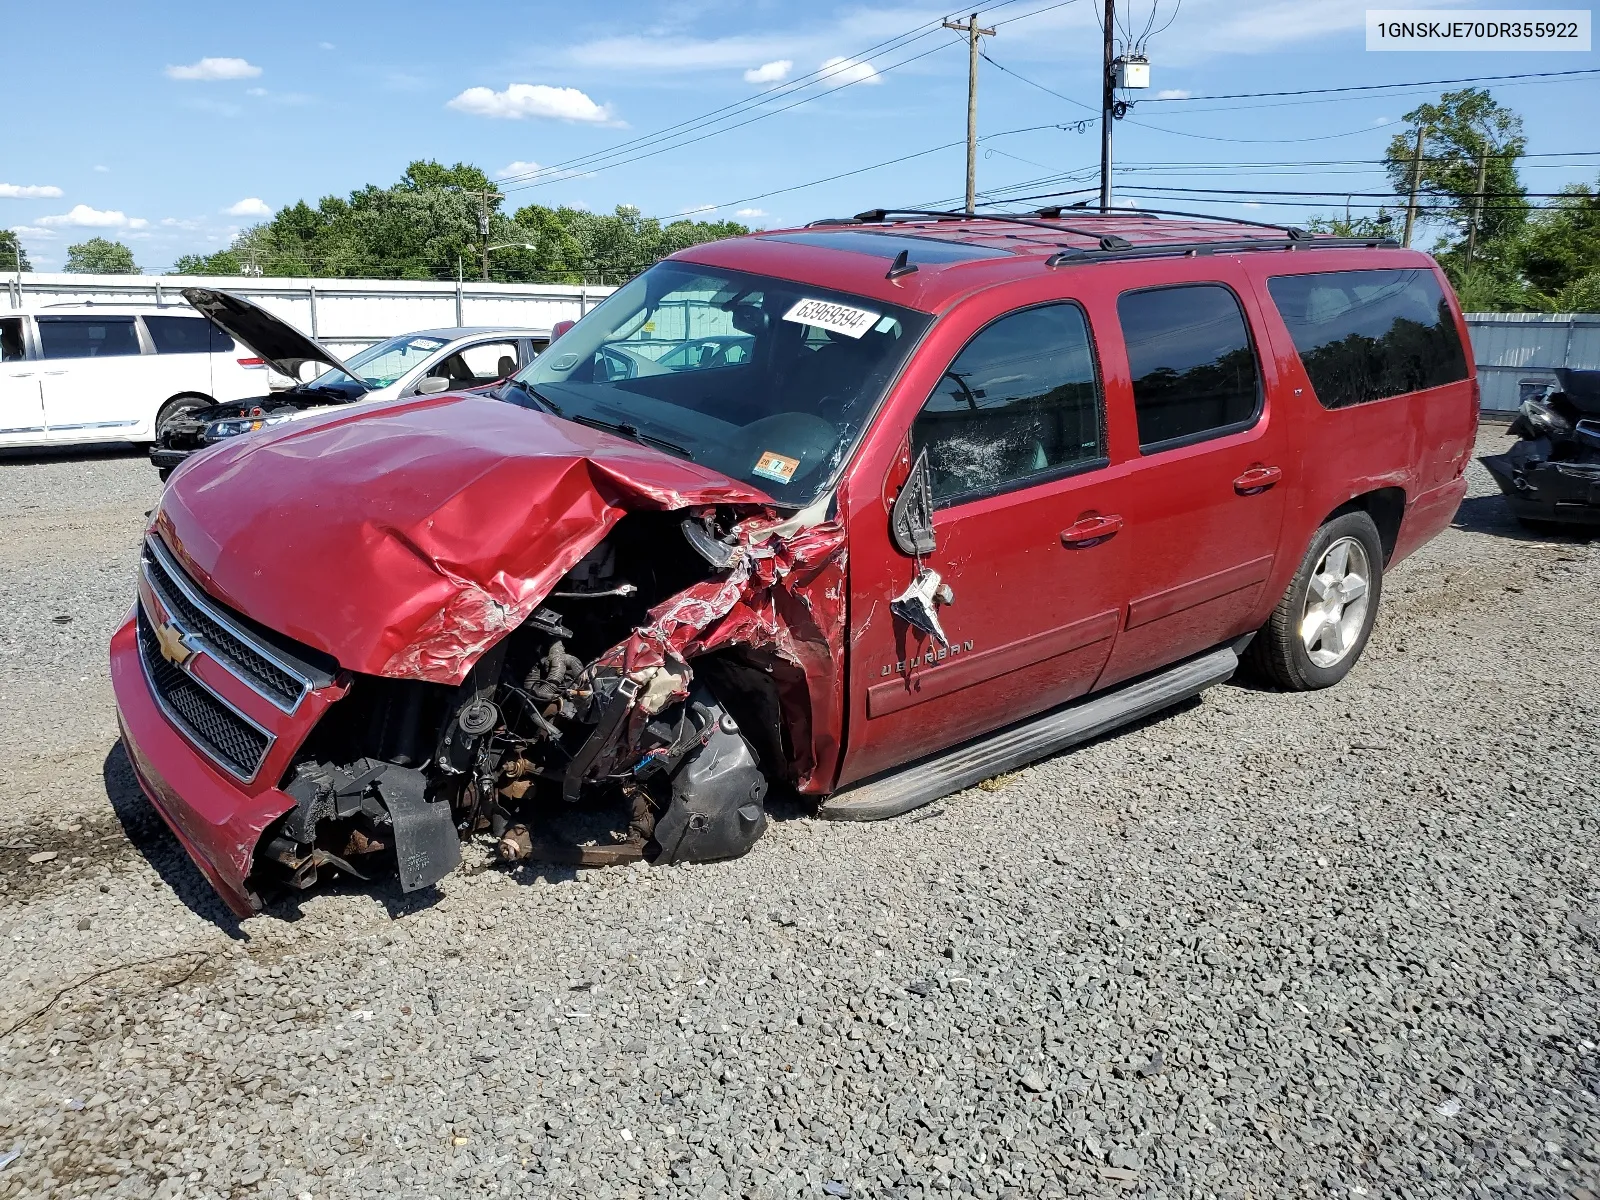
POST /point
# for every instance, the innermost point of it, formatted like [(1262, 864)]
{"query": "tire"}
[(165, 473), (176, 407), (1281, 653)]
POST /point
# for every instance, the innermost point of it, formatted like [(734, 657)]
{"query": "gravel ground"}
[(1337, 944)]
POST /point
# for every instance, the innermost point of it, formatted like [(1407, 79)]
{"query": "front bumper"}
[(1540, 490), (218, 815)]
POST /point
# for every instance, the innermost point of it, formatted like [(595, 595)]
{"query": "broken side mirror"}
[(915, 605), (911, 518)]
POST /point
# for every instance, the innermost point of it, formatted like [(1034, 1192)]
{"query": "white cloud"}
[(1174, 94), (516, 168), (102, 169), (324, 45), (698, 208), (255, 91), (32, 231), (84, 217), (772, 72), (28, 191), (531, 100), (1251, 204), (841, 72), (250, 206), (751, 213), (212, 69), (1382, 120)]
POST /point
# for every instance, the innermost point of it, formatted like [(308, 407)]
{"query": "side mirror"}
[(911, 518), (559, 328), (432, 385)]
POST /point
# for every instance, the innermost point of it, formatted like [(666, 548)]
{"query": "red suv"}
[(868, 510)]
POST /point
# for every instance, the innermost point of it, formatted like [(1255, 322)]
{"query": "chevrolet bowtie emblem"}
[(174, 648)]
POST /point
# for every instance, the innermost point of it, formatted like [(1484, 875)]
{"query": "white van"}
[(98, 373)]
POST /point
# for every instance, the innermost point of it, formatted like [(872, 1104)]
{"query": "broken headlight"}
[(1544, 420), (234, 426)]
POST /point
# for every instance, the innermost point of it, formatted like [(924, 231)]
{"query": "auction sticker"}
[(778, 467), (836, 318)]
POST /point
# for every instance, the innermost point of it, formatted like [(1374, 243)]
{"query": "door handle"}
[(1257, 479), (1090, 531)]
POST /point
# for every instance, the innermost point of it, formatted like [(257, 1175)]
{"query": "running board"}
[(1018, 745)]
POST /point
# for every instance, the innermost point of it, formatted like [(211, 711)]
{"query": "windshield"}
[(379, 366), (767, 381)]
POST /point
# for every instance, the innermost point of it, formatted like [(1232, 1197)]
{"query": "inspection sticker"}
[(775, 466), (836, 318)]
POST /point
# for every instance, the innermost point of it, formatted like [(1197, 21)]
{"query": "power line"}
[(1372, 87)]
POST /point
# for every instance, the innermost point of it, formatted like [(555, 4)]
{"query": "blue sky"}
[(182, 123)]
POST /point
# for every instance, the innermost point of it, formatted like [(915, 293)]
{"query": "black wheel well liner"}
[(1387, 508)]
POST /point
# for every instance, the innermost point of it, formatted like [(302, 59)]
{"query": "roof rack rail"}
[(1190, 249), (873, 216), (1293, 231)]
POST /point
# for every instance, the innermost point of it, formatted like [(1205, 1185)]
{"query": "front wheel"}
[(1322, 623)]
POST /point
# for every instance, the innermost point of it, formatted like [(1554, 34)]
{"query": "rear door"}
[(97, 380), (183, 354), (1014, 430), (1205, 508), (21, 402)]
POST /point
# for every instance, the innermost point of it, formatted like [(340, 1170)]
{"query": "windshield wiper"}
[(636, 434), (543, 401)]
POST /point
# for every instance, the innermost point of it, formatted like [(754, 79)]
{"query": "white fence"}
[(1517, 353), (343, 314)]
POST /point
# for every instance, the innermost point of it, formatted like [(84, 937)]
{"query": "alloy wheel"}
[(1336, 602)]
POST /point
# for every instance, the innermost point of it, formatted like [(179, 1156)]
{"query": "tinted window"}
[(1019, 401), (1365, 335), (186, 335), (87, 337), (11, 347), (1194, 373)]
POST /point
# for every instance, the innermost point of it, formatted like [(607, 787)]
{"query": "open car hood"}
[(405, 539), (281, 345)]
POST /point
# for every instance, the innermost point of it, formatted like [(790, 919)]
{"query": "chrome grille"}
[(223, 634), (231, 739)]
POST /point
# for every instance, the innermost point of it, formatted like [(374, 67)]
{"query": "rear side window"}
[(1368, 335), (87, 337), (186, 335), (1019, 404), (1194, 370)]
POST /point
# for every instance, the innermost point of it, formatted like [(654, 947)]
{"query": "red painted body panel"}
[(405, 540)]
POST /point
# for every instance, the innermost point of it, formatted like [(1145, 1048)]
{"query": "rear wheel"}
[(1322, 623), (179, 406)]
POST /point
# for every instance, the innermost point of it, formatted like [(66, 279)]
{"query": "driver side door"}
[(1015, 433)]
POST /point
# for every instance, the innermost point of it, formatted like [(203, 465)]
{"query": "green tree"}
[(98, 256), (1562, 242), (1461, 131), (12, 256), (223, 262), (1380, 226)]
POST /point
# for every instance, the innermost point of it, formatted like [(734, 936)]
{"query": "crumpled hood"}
[(405, 539)]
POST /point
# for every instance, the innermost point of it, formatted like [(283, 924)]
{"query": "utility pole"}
[(484, 197), (1416, 181), (1477, 202), (1108, 97), (970, 28)]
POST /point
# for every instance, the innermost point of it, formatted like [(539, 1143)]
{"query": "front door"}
[(1205, 510), (96, 382), (1015, 435), (21, 409)]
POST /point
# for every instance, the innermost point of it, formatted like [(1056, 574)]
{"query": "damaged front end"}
[(642, 710), (1552, 474)]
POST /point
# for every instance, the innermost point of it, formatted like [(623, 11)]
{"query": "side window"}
[(483, 363), (12, 347), (186, 335), (1194, 371), (1020, 401), (1368, 335), (87, 337)]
